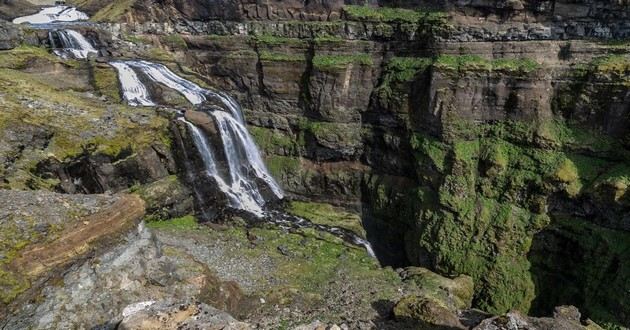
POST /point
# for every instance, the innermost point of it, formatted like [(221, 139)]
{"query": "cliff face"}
[(482, 141), (483, 138)]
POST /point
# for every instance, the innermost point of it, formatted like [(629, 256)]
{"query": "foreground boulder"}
[(171, 315), (564, 318), (42, 233)]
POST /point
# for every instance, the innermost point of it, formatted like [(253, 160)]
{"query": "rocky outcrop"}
[(564, 317), (153, 315), (45, 233)]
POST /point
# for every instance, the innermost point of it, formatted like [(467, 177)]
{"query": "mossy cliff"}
[(457, 155)]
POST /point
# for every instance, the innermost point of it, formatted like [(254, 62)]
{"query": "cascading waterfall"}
[(134, 91), (72, 44), (53, 15), (245, 168)]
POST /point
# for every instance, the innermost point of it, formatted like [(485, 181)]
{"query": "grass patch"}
[(326, 214), (174, 41), (271, 40), (477, 63), (188, 222), (106, 83)]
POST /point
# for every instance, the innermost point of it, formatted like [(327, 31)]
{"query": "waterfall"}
[(245, 169), (245, 173), (52, 15), (72, 44), (238, 198), (134, 91)]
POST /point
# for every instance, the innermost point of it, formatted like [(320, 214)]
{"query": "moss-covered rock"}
[(326, 214), (455, 294), (429, 312)]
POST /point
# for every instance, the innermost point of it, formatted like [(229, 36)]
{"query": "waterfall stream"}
[(53, 15), (72, 44), (241, 180)]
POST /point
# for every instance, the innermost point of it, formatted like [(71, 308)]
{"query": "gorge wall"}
[(486, 138)]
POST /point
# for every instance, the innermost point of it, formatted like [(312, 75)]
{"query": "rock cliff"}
[(485, 140)]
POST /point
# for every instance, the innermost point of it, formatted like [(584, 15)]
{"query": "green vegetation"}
[(326, 214), (274, 141), (389, 14), (398, 72), (473, 214), (111, 12), (76, 122), (280, 166), (19, 57), (338, 62), (477, 63), (106, 83), (612, 64), (599, 276), (174, 41), (188, 222)]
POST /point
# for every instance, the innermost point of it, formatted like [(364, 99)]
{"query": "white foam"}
[(52, 15), (73, 44), (133, 89)]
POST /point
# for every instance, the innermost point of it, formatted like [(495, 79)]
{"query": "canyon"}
[(479, 148)]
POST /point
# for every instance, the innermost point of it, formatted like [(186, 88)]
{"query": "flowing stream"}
[(70, 44), (53, 14)]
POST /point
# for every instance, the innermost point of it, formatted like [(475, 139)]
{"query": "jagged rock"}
[(427, 311), (9, 35), (169, 315), (564, 318)]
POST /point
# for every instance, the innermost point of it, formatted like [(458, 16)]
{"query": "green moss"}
[(326, 214), (280, 166), (174, 41), (111, 12), (598, 277), (432, 148), (338, 62), (18, 58), (615, 64), (188, 222), (274, 141), (106, 83), (477, 63)]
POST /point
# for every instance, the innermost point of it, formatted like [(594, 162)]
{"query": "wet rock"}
[(169, 315)]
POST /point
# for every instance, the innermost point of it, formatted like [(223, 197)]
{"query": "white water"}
[(73, 44), (238, 197), (53, 15), (245, 166), (232, 130), (160, 73), (133, 89)]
